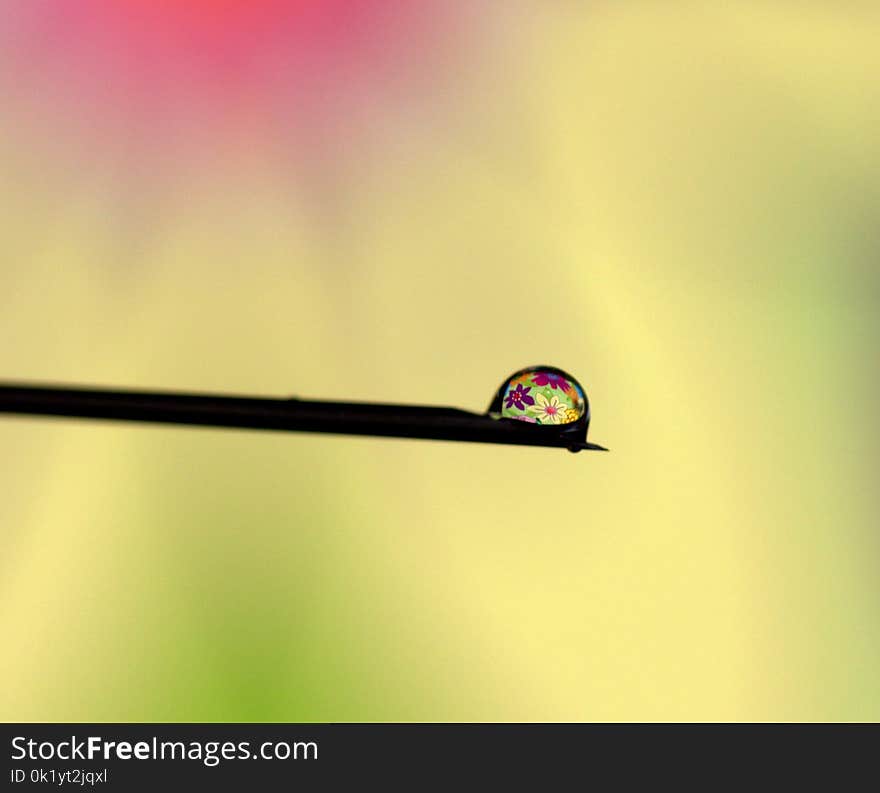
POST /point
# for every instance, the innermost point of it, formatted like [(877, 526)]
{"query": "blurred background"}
[(407, 201)]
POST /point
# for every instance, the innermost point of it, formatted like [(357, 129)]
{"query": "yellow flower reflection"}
[(549, 411)]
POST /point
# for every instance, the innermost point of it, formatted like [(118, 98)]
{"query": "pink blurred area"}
[(161, 77)]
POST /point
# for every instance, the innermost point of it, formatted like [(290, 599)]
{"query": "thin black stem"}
[(346, 418)]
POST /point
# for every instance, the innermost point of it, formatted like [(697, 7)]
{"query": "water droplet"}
[(542, 395)]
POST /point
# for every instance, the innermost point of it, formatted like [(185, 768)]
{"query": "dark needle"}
[(295, 415)]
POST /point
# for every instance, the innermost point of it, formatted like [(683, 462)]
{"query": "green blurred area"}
[(675, 202)]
